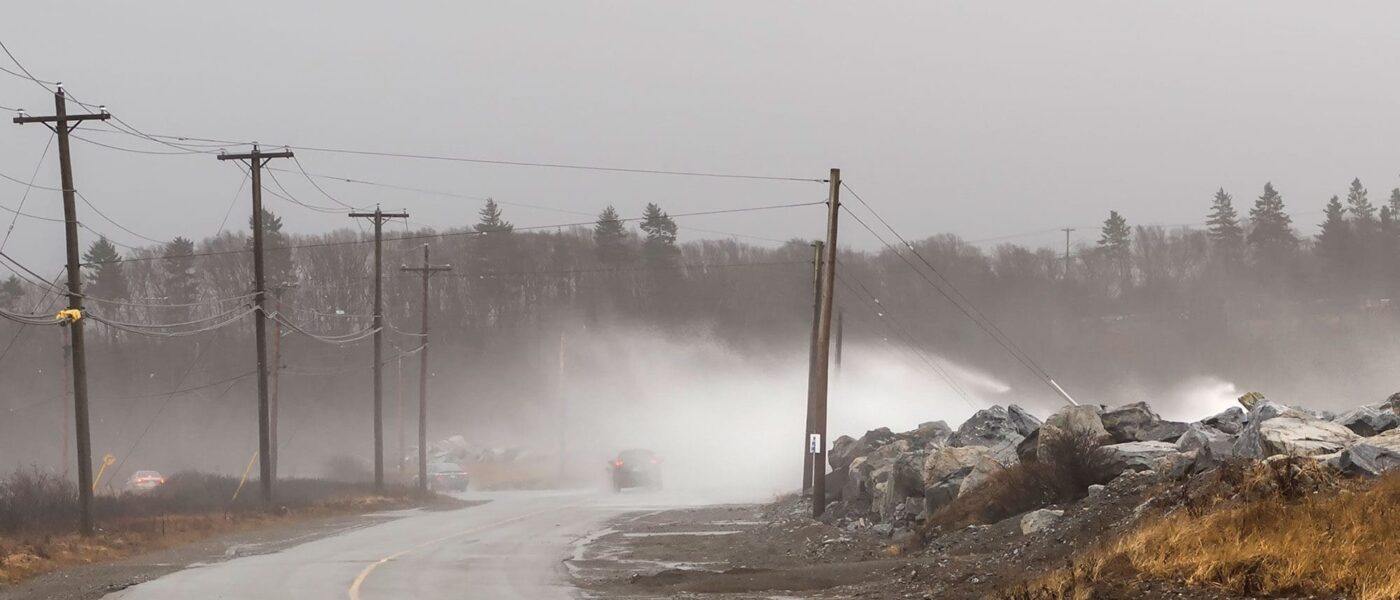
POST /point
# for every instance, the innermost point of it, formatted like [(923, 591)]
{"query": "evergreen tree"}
[(491, 221), (1271, 235), (1334, 244), (1115, 242), (1224, 230), (10, 292), (659, 247), (277, 258), (1361, 208), (105, 278), (610, 239), (180, 284)]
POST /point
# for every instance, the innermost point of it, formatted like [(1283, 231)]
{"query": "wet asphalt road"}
[(512, 546)]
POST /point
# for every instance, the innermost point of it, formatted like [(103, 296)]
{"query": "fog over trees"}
[(1263, 302)]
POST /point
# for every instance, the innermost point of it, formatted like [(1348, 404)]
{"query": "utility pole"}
[(378, 216), (824, 348), (812, 369), (61, 123), (840, 337), (563, 414), (276, 385), (1067, 231), (67, 391), (398, 385), (426, 271), (256, 160)]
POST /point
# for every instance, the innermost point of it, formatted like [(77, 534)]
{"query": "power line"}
[(961, 302), (894, 326), (27, 74), (28, 188)]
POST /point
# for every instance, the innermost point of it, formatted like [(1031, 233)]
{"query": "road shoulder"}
[(89, 582)]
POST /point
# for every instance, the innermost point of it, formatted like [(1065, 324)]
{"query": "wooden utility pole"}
[(256, 160), (67, 391), (274, 410), (398, 385), (840, 337), (426, 271), (62, 123), (379, 216), (824, 348), (1067, 231), (812, 370)]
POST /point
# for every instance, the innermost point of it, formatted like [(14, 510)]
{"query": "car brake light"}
[(617, 463), (654, 461)]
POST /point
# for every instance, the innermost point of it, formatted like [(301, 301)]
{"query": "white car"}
[(144, 481)]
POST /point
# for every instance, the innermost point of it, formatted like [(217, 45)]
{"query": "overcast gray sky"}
[(985, 119)]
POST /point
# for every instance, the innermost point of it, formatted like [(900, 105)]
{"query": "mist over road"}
[(512, 546)]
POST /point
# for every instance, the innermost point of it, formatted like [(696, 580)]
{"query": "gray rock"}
[(1176, 465), (1038, 520), (1367, 421), (945, 470), (882, 529), (909, 473), (983, 470), (1125, 423), (1097, 488), (1372, 456), (932, 434), (845, 449), (1024, 422), (1136, 456), (1025, 451), (1137, 423), (1367, 460), (1199, 436), (1231, 421), (1071, 421), (1292, 433), (990, 428)]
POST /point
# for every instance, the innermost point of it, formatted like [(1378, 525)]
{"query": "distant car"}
[(445, 476), (635, 468), (144, 481)]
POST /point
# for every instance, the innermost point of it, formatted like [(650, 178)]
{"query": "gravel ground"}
[(775, 551)]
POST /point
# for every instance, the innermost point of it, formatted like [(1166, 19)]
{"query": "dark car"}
[(446, 476), (636, 468)]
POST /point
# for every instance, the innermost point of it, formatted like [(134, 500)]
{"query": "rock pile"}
[(894, 480)]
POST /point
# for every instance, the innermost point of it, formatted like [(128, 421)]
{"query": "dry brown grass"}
[(1072, 464), (1287, 529), (38, 513)]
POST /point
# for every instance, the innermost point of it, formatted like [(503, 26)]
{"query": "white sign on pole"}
[(814, 444)]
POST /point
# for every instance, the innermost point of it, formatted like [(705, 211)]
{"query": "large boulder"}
[(1137, 423), (1292, 434), (945, 469), (990, 428), (1136, 456), (1372, 456), (1024, 422), (845, 449), (980, 473), (1069, 421), (1203, 437), (1367, 421), (929, 435), (1230, 421)]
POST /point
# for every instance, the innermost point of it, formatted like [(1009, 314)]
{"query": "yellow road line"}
[(354, 592)]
